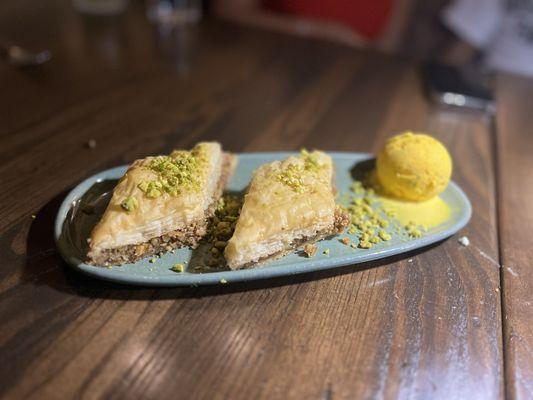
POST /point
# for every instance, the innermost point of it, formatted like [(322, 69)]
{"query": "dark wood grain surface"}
[(423, 325), (515, 173)]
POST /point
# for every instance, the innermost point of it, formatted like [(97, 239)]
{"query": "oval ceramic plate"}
[(83, 206)]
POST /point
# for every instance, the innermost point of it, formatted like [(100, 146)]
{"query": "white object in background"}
[(503, 30)]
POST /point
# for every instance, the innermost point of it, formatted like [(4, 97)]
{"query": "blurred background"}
[(488, 34), (495, 34), (459, 43)]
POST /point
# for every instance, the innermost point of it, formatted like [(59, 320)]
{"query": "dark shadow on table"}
[(44, 265), (361, 170)]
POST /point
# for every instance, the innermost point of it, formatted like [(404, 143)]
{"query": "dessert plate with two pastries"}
[(206, 216)]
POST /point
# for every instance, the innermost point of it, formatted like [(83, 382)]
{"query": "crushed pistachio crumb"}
[(383, 235), (176, 172), (293, 174), (178, 268), (416, 233), (370, 222), (129, 204), (223, 281), (326, 252), (365, 244), (310, 250), (311, 162), (365, 216), (152, 260), (221, 227), (413, 230)]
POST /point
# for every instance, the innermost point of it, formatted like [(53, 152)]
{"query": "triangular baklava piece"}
[(289, 204), (160, 204)]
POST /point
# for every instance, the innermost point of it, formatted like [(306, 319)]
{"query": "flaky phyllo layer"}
[(157, 197), (288, 203)]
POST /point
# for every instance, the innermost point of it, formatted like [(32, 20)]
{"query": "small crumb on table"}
[(464, 241), (91, 144)]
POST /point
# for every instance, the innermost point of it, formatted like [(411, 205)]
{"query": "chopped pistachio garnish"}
[(223, 281), (130, 204), (326, 252), (221, 227), (383, 223), (365, 244), (176, 172), (311, 162), (416, 233), (384, 235), (152, 260), (357, 187), (178, 268), (369, 220), (365, 216), (413, 230), (293, 174)]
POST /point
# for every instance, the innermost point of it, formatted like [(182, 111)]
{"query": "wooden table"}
[(447, 322)]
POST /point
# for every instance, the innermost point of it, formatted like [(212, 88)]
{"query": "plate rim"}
[(265, 272)]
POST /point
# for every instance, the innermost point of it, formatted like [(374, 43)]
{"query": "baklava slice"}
[(160, 204), (289, 203)]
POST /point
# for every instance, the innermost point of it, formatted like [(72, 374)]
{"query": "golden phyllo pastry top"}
[(158, 194), (285, 196)]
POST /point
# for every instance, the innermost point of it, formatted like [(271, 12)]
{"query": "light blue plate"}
[(83, 206)]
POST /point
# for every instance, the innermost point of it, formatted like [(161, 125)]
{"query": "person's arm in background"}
[(250, 12), (474, 24)]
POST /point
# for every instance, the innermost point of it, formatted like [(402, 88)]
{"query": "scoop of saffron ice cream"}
[(414, 166)]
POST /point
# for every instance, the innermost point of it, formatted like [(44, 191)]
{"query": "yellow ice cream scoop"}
[(414, 166)]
